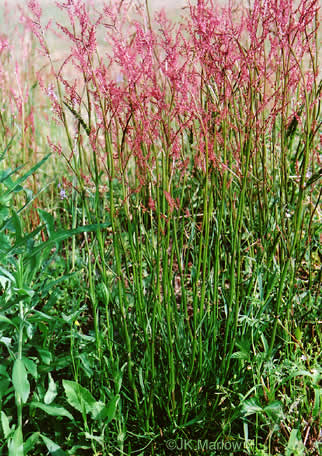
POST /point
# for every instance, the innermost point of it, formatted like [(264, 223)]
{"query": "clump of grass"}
[(195, 144)]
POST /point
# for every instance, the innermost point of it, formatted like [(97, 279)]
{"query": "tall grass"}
[(189, 307)]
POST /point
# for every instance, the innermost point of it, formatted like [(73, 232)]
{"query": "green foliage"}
[(26, 284), (178, 306)]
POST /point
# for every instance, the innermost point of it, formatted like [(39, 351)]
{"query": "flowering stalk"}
[(189, 138)]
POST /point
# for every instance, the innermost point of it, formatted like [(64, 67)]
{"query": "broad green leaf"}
[(45, 355), (298, 333), (52, 410), (31, 442), (87, 364), (295, 444), (52, 447), (20, 380), (5, 425), (99, 410), (274, 409), (250, 407), (78, 396), (111, 407), (103, 412), (15, 445), (51, 392)]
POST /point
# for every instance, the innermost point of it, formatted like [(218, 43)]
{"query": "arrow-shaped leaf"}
[(20, 380), (78, 396), (52, 447), (52, 410), (15, 445)]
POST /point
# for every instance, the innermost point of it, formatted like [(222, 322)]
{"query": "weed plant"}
[(170, 302)]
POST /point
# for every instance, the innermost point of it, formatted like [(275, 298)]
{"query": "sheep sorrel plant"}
[(188, 320)]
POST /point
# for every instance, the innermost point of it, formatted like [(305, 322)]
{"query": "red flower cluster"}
[(167, 94)]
